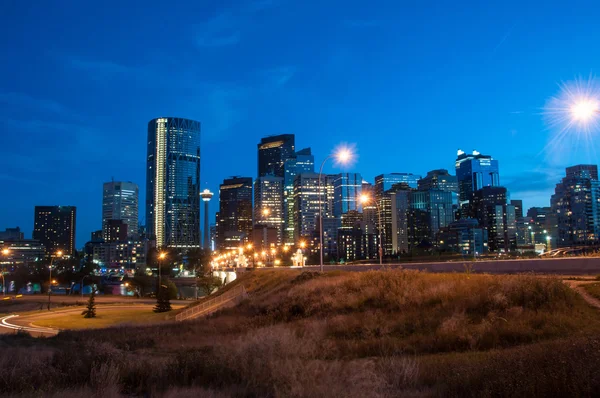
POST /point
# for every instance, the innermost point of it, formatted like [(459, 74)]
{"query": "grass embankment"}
[(386, 333), (105, 317)]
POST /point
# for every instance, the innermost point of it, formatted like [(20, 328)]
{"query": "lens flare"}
[(345, 154), (573, 117)]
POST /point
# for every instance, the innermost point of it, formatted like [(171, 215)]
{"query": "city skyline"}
[(63, 100)]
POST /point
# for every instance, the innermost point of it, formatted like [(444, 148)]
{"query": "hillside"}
[(379, 333)]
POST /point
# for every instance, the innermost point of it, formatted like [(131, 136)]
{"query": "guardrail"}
[(231, 297)]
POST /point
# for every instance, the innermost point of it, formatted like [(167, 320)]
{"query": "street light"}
[(161, 257), (343, 156), (367, 199), (82, 279), (58, 254), (265, 213)]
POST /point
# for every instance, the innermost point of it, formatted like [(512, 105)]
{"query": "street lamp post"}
[(342, 156), (265, 213), (58, 254), (365, 199), (161, 256)]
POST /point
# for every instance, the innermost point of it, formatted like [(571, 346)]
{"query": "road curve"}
[(4, 323)]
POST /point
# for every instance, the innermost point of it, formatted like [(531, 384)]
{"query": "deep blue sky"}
[(408, 84)]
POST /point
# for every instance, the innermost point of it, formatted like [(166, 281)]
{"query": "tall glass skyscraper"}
[(273, 151), (120, 202), (347, 189), (474, 171), (303, 161), (235, 212), (173, 182), (268, 204)]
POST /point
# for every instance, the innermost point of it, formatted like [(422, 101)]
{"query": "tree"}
[(90, 311), (163, 304), (198, 260), (209, 283)]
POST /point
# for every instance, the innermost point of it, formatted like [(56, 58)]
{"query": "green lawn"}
[(104, 318), (593, 289)]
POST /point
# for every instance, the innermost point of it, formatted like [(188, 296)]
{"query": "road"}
[(557, 266)]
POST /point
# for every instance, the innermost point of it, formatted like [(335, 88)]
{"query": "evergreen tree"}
[(163, 304), (90, 311)]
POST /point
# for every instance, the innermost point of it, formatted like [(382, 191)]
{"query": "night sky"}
[(407, 84)]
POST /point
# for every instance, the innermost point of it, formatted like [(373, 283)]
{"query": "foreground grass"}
[(381, 334), (105, 317), (593, 289)]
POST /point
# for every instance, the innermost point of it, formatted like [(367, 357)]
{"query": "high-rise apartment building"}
[(474, 171), (302, 162), (575, 208), (54, 228), (173, 182), (268, 204), (273, 151), (347, 190), (235, 212), (120, 202)]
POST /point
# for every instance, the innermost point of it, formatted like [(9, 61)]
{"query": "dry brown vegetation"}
[(377, 333)]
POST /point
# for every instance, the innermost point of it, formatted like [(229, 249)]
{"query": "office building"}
[(489, 206), (438, 212), (54, 228), (575, 208), (465, 237), (235, 212), (173, 182), (347, 191), (20, 251), (539, 221), (398, 239), (11, 234), (473, 172), (308, 200), (268, 204), (273, 151), (120, 202), (518, 204), (302, 162), (115, 231), (438, 179)]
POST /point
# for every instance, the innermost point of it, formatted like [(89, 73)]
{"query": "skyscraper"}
[(235, 212), (273, 151), (308, 200), (173, 182), (120, 202), (54, 227), (575, 208), (268, 204), (438, 179), (489, 206), (302, 162), (438, 209), (347, 190), (474, 171)]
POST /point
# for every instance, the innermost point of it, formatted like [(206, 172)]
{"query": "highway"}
[(556, 266)]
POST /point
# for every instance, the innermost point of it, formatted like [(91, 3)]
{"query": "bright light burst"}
[(345, 154), (573, 115)]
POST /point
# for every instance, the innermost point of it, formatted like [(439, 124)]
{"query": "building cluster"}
[(289, 205)]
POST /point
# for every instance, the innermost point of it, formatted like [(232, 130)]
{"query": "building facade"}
[(302, 162), (268, 204), (54, 228), (273, 151), (575, 208), (173, 182), (120, 202), (347, 191), (473, 172), (235, 212), (489, 206)]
